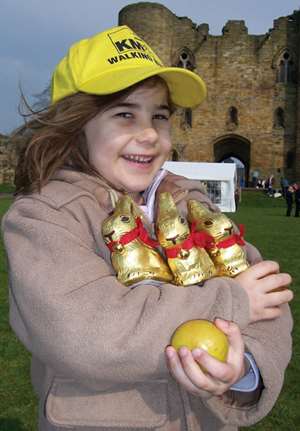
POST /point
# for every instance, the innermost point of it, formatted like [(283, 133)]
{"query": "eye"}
[(124, 219), (124, 115), (161, 117), (182, 220), (208, 223)]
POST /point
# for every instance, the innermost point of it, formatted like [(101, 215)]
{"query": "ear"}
[(124, 205), (136, 210), (166, 206), (196, 210)]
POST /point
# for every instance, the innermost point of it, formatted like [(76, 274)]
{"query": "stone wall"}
[(7, 161)]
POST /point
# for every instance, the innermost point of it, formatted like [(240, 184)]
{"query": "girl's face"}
[(130, 140)]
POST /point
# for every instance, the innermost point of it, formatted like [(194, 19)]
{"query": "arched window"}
[(286, 71), (188, 116), (279, 117), (186, 59), (233, 115), (290, 158)]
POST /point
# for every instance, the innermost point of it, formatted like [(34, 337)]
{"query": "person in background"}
[(237, 196), (259, 184), (270, 183), (277, 182), (284, 183), (254, 177), (297, 198), (289, 197)]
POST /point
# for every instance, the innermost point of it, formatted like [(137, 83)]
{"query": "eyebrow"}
[(136, 106)]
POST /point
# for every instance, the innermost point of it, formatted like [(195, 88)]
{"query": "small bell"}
[(184, 254), (118, 248)]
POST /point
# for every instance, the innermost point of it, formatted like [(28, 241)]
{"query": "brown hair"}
[(53, 137)]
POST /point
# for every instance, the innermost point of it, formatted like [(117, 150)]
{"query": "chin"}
[(137, 190), (139, 185)]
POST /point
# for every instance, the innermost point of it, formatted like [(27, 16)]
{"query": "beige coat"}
[(98, 346)]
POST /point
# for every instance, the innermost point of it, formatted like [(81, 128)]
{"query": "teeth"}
[(137, 158)]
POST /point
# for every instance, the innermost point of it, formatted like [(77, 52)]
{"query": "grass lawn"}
[(277, 237)]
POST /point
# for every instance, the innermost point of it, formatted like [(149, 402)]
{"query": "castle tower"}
[(152, 21)]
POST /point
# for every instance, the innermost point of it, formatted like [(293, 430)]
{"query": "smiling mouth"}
[(109, 235), (173, 239), (135, 158)]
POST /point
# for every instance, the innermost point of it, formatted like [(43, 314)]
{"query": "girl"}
[(100, 354)]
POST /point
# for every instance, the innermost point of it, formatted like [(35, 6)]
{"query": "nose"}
[(147, 136)]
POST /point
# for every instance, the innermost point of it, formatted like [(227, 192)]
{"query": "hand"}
[(260, 281), (219, 376)]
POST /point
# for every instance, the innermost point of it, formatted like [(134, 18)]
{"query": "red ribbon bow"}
[(138, 232), (195, 239), (236, 238)]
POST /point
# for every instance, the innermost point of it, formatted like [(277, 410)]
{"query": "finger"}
[(261, 269), (216, 372), (275, 281), (176, 369), (199, 367), (192, 369), (277, 298)]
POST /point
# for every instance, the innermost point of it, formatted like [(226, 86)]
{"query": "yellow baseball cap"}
[(116, 59)]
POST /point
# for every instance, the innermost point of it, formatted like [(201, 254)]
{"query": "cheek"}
[(91, 141), (97, 135), (168, 149), (166, 140), (97, 145)]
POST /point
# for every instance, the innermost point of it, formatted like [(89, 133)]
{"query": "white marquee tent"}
[(219, 178)]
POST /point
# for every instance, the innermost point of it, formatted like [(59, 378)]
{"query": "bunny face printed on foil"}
[(189, 263), (225, 249), (133, 252)]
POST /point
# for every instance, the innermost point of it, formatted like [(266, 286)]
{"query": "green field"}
[(278, 238)]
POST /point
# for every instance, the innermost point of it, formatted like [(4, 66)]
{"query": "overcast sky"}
[(35, 35)]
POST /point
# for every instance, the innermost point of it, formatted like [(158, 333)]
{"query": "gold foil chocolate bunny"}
[(225, 248), (188, 260), (133, 253)]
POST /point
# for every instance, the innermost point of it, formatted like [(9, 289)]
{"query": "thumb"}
[(235, 340)]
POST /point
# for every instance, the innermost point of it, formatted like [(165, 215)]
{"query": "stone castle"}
[(252, 110)]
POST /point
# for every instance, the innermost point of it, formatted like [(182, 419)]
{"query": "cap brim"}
[(187, 89)]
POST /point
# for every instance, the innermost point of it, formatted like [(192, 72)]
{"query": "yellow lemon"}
[(204, 334)]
